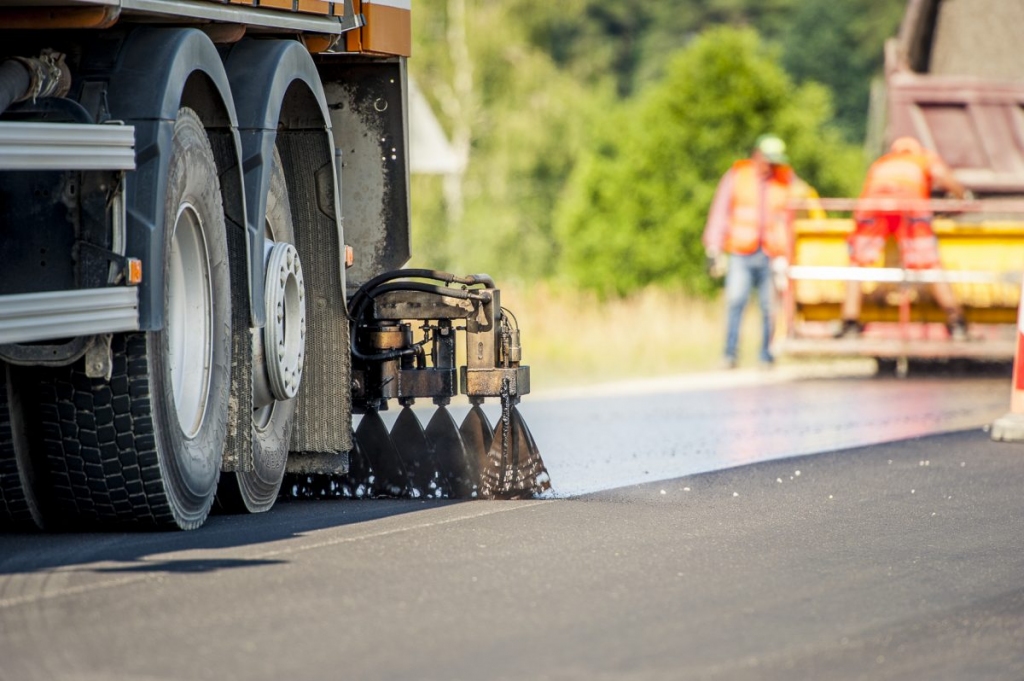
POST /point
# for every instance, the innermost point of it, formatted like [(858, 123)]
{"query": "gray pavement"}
[(897, 561)]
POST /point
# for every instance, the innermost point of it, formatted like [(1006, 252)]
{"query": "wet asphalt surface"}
[(893, 561)]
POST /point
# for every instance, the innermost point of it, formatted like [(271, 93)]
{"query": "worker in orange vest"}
[(749, 222), (906, 176)]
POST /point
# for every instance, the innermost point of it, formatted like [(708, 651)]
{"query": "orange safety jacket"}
[(899, 175), (746, 232), (905, 177)]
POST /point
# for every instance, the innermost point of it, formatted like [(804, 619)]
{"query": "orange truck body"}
[(380, 27)]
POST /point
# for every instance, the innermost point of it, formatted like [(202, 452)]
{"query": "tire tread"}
[(14, 505), (97, 435)]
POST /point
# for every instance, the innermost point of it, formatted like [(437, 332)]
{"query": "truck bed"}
[(321, 16), (982, 259)]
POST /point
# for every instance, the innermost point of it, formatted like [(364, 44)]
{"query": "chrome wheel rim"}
[(284, 337), (189, 322)]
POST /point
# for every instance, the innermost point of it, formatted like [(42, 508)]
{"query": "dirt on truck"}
[(204, 216), (954, 80)]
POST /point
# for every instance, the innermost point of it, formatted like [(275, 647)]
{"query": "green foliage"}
[(630, 41), (598, 131), (527, 123), (834, 42), (839, 43), (635, 208)]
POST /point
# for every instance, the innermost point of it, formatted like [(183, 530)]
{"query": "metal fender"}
[(151, 78), (261, 74)]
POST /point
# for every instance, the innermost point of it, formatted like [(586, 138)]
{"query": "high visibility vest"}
[(899, 175), (746, 232), (905, 177)]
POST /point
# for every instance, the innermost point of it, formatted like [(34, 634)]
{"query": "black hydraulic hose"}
[(405, 286), (24, 78), (437, 275), (379, 284), (394, 353), (15, 81), (508, 312), (484, 279), (359, 308), (461, 294)]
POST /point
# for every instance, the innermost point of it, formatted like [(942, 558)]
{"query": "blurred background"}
[(575, 147)]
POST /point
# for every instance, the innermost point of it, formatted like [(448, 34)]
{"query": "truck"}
[(204, 219), (955, 82)]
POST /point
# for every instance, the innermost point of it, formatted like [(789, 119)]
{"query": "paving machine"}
[(955, 81)]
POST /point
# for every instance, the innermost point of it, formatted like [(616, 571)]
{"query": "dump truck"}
[(954, 80), (204, 216)]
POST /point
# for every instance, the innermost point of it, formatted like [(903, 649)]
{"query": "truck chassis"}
[(203, 216)]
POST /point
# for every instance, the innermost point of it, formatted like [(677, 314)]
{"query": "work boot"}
[(957, 328), (851, 328)]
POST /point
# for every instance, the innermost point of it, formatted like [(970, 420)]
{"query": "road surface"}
[(792, 558)]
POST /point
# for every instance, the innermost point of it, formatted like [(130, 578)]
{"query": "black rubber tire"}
[(886, 366), (256, 491), (116, 451), (19, 505)]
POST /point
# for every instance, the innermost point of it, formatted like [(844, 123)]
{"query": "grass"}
[(572, 338)]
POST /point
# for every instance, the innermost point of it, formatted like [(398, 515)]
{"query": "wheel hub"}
[(284, 336)]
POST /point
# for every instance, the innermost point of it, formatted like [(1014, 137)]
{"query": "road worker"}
[(750, 222), (906, 176)]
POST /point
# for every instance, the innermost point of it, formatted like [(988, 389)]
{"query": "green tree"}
[(635, 207), (834, 42), (839, 43), (523, 118), (629, 41)]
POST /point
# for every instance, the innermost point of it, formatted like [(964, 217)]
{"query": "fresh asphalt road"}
[(891, 561)]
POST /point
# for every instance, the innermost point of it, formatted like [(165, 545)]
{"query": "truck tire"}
[(19, 508), (885, 366), (256, 491), (146, 446)]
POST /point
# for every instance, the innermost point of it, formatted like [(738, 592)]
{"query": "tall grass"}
[(574, 338)]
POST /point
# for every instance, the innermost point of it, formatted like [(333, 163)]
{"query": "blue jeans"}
[(746, 272)]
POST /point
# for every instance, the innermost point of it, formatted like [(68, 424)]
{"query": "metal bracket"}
[(116, 259), (99, 361), (349, 19), (490, 382)]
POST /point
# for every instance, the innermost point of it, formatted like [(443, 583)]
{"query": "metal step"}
[(29, 317), (898, 275), (998, 350), (66, 146)]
